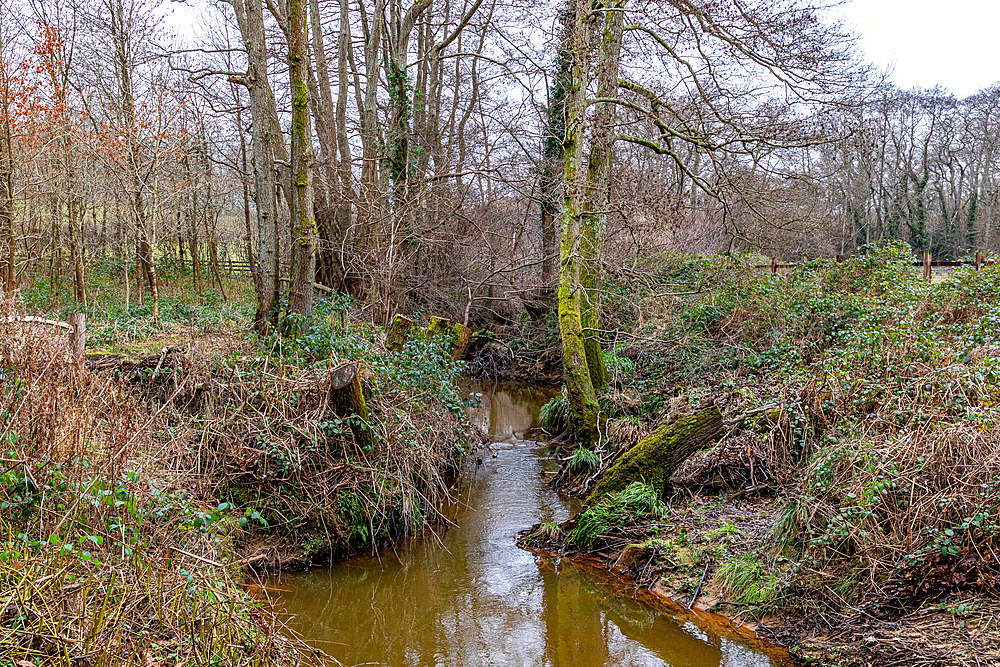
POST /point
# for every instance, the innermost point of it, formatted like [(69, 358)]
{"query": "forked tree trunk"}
[(583, 216)]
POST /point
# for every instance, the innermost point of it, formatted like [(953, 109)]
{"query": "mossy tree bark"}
[(300, 300), (552, 149), (584, 409), (584, 211), (267, 145), (348, 401), (454, 336), (595, 214), (659, 454), (397, 333)]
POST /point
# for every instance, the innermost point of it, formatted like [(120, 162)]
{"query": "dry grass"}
[(102, 559)]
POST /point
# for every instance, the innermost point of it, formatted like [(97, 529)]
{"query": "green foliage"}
[(627, 506), (555, 412), (584, 460), (747, 580)]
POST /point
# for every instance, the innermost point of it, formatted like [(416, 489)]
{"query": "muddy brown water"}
[(471, 598)]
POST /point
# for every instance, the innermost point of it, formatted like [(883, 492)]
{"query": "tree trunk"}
[(300, 200), (594, 220), (552, 151), (584, 418), (659, 454), (267, 146), (7, 238), (348, 402)]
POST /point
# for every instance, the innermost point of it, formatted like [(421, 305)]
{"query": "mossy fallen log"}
[(659, 454)]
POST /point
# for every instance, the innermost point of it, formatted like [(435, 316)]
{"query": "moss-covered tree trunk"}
[(595, 208), (584, 211), (303, 220), (584, 409), (659, 454)]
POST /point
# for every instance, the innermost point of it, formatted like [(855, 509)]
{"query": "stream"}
[(470, 597)]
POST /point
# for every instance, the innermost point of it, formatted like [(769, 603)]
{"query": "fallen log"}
[(169, 357), (655, 458), (348, 402)]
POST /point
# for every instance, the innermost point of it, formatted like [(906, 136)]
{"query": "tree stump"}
[(659, 454), (401, 329), (455, 335), (78, 336), (398, 333), (462, 334), (348, 402)]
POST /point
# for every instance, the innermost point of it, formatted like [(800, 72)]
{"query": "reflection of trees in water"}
[(574, 627), (506, 409)]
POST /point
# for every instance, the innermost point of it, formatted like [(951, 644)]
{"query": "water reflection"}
[(471, 598)]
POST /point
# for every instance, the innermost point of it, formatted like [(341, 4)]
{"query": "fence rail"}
[(928, 264)]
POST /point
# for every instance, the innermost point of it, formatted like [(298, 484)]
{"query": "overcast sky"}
[(954, 43)]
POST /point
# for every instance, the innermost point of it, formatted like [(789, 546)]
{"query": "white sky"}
[(953, 43)]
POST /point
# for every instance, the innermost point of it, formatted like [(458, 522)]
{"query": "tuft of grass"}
[(727, 529), (555, 413), (627, 506), (746, 580), (545, 534), (584, 460)]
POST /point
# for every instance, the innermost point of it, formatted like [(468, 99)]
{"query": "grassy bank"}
[(855, 485)]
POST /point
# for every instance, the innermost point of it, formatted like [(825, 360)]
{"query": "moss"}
[(398, 333), (658, 455)]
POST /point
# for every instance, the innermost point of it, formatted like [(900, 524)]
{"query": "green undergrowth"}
[(252, 417), (186, 306), (268, 440), (636, 501), (883, 392)]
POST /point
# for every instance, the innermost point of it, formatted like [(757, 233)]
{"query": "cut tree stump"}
[(659, 454), (78, 337), (401, 329), (348, 400), (398, 333)]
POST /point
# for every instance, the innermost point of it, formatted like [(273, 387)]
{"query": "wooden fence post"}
[(774, 266), (979, 259), (78, 337), (927, 266)]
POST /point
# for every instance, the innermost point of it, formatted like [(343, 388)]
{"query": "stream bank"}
[(471, 597)]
